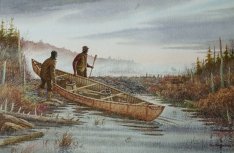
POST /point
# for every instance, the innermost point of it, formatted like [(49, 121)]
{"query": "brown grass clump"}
[(178, 89), (66, 140), (217, 104), (14, 94)]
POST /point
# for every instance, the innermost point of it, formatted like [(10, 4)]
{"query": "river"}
[(176, 131)]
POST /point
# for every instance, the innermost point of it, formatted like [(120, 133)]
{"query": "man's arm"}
[(89, 66), (74, 64)]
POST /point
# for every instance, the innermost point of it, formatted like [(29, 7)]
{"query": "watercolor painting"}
[(116, 76)]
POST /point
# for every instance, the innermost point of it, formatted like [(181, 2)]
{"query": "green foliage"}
[(198, 67), (208, 61), (226, 54), (218, 59), (9, 37)]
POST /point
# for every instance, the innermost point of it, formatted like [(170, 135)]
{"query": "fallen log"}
[(37, 118), (34, 117), (8, 126), (15, 120), (45, 119), (17, 139)]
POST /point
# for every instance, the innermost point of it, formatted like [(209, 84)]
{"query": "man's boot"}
[(49, 95)]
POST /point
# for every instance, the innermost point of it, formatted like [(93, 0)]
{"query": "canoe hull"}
[(140, 112), (146, 111)]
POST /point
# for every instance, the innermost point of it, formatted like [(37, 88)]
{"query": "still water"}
[(175, 131)]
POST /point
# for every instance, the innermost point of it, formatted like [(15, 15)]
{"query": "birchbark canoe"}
[(101, 96)]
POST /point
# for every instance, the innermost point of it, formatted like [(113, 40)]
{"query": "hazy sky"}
[(160, 32)]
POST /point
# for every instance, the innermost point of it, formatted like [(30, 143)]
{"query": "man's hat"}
[(85, 47), (54, 54)]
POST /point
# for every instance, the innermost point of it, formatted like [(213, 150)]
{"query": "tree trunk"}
[(221, 65), (4, 73), (212, 83)]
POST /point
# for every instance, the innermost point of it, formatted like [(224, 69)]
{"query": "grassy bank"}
[(208, 86)]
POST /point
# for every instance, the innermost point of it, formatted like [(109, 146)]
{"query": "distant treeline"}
[(212, 62)]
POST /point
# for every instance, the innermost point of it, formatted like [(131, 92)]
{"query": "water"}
[(174, 131)]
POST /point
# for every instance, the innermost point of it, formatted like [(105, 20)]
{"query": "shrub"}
[(217, 104)]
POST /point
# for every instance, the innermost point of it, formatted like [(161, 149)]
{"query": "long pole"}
[(95, 57)]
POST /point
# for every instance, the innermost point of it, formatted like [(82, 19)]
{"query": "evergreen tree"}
[(232, 54), (226, 54), (214, 57), (2, 29), (198, 67), (232, 49), (218, 59), (203, 63), (2, 32), (208, 61), (8, 40), (11, 29)]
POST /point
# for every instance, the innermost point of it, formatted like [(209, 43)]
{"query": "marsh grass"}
[(66, 140), (14, 94)]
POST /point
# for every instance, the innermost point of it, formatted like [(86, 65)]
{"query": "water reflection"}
[(100, 132), (223, 138)]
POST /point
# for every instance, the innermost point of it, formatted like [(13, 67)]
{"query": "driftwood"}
[(10, 123), (38, 118), (34, 117), (17, 121), (17, 139), (8, 126)]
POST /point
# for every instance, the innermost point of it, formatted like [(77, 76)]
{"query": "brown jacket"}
[(48, 69), (80, 64)]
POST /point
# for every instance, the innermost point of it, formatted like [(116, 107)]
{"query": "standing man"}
[(47, 73), (80, 63)]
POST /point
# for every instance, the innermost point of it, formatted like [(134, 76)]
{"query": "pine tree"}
[(214, 56), (218, 59), (198, 67), (11, 29), (203, 63), (226, 54), (232, 49), (2, 32), (208, 60), (232, 54)]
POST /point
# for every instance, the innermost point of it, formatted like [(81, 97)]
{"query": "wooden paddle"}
[(95, 57)]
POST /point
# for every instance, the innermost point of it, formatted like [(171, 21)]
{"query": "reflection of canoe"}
[(98, 95)]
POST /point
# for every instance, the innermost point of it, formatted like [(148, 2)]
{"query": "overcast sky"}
[(160, 32)]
